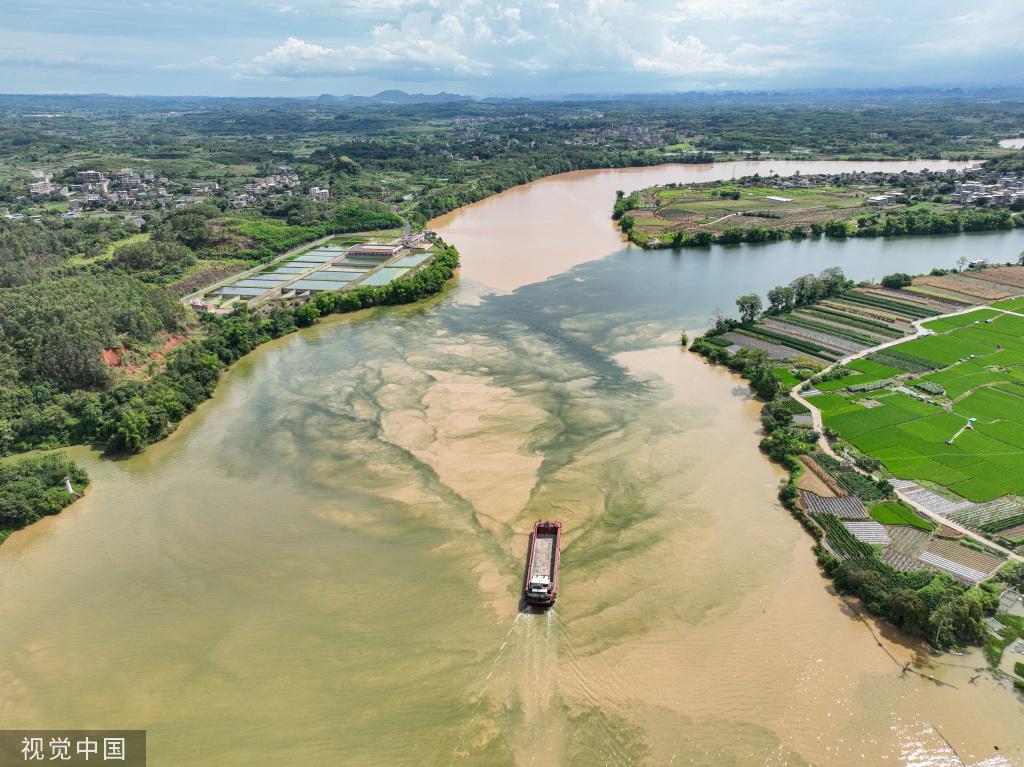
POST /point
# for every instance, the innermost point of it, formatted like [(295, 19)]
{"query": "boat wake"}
[(486, 683)]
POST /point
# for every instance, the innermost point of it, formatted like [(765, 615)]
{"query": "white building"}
[(319, 194), (40, 188), (127, 178), (373, 250)]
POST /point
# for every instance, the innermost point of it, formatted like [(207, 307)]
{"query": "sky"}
[(542, 47)]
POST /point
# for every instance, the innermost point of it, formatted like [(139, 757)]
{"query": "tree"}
[(1013, 573), (306, 315), (780, 299), (833, 281), (908, 610), (749, 306), (805, 290), (839, 229), (153, 261), (189, 226), (130, 430), (896, 281)]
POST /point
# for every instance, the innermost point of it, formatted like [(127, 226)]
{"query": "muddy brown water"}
[(323, 565)]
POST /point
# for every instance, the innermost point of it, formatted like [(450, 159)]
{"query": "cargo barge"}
[(541, 584)]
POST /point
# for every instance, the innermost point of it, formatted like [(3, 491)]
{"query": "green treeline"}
[(891, 224), (926, 221), (34, 487), (127, 416)]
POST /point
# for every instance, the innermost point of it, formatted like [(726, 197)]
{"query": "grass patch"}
[(108, 252), (898, 513), (786, 376)]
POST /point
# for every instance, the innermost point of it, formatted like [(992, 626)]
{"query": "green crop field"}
[(969, 439), (898, 513), (786, 377), (1011, 304), (970, 375), (961, 320), (864, 371)]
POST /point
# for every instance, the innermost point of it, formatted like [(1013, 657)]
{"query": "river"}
[(322, 565)]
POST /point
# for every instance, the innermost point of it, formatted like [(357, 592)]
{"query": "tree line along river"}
[(322, 566)]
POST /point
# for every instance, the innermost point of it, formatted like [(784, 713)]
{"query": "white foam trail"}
[(483, 689)]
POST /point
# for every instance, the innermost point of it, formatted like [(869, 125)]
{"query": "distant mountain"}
[(59, 103), (397, 97)]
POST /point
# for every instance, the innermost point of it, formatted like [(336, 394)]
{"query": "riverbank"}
[(867, 558), (34, 487), (758, 209), (326, 516), (140, 413)]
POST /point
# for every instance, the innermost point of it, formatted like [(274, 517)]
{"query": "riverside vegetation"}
[(88, 317), (759, 209), (34, 487), (923, 603), (64, 395)]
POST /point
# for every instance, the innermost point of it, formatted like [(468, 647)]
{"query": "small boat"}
[(541, 584)]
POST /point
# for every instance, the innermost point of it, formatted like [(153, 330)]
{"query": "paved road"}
[(827, 448)]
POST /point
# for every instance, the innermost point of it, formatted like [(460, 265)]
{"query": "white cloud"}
[(463, 40), (558, 45), (402, 52)]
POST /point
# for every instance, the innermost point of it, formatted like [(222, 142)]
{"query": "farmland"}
[(957, 423), (718, 206), (756, 209), (940, 414), (892, 455), (897, 513)]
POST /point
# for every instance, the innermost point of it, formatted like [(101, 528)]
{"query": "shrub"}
[(896, 281)]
